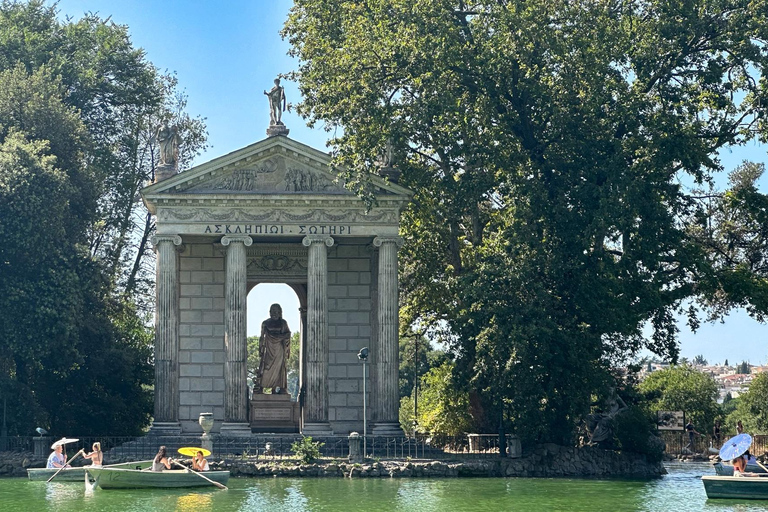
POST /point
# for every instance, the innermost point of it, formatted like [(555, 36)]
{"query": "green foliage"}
[(406, 415), (752, 407), (307, 450), (443, 406), (699, 360), (546, 144), (78, 104), (743, 368), (734, 234), (683, 388), (428, 358), (635, 433)]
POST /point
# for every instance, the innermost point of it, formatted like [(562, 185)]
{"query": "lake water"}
[(680, 490)]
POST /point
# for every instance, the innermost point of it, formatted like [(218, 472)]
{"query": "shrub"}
[(307, 450), (634, 433)]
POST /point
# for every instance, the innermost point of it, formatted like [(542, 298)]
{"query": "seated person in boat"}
[(57, 459), (199, 463), (740, 465), (161, 460), (96, 456)]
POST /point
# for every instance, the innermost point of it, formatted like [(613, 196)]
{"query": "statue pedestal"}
[(164, 172), (277, 129), (274, 413)]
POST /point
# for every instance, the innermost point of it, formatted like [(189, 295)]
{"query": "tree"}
[(443, 408), (752, 408), (733, 229), (683, 388), (546, 143), (77, 102), (699, 360), (428, 358)]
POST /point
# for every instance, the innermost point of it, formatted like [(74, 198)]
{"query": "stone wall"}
[(349, 330), (546, 461), (201, 334), (16, 463)]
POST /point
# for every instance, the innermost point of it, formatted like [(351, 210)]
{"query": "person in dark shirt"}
[(691, 433), (716, 434)]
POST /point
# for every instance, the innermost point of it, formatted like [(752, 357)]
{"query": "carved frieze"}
[(272, 175), (275, 260), (349, 216)]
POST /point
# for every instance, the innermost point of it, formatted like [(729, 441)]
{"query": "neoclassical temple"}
[(273, 212)]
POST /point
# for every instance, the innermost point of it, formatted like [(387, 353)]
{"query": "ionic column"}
[(387, 361), (316, 381), (236, 421), (166, 416)]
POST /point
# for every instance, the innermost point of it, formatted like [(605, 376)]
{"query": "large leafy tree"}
[(683, 388), (547, 144), (752, 407), (78, 104)]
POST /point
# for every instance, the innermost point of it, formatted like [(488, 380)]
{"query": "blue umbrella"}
[(735, 446)]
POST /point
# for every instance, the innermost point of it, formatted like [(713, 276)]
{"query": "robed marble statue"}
[(274, 351)]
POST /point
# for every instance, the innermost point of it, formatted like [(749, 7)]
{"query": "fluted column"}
[(236, 421), (166, 416), (302, 364), (387, 360), (316, 381)]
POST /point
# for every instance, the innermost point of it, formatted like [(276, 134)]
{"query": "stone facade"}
[(273, 212)]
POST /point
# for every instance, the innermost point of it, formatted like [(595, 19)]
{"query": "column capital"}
[(245, 239), (317, 239), (381, 240), (157, 239)]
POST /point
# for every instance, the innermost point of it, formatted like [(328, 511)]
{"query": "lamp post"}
[(363, 356), (4, 430)]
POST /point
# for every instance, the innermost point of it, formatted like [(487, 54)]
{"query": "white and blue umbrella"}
[(735, 446)]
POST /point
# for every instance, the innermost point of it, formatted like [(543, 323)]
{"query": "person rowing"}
[(161, 460), (96, 456)]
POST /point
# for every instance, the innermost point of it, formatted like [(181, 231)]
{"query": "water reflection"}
[(680, 491), (194, 501)]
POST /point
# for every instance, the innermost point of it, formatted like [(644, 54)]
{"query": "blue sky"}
[(226, 53)]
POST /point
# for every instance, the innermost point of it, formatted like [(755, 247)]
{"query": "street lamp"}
[(363, 356)]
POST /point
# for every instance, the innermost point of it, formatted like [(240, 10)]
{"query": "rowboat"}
[(736, 487), (727, 470), (117, 478), (77, 474)]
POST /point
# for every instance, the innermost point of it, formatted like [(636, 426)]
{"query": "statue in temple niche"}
[(277, 103), (168, 138), (274, 351)]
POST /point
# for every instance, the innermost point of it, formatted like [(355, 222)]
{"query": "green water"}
[(680, 490)]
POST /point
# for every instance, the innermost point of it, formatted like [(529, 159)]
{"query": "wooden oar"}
[(758, 463), (64, 466), (185, 468)]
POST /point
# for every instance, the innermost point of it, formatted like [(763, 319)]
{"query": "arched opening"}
[(260, 298)]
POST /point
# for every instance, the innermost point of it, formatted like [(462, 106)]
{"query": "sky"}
[(226, 53)]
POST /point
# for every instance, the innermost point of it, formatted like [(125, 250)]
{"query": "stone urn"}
[(206, 421)]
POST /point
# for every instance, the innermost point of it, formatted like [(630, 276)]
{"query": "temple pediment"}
[(276, 187), (277, 165)]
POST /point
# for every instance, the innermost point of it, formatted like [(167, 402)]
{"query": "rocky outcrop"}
[(546, 461), (16, 463)]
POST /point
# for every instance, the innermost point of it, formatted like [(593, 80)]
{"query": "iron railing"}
[(677, 443), (270, 447)]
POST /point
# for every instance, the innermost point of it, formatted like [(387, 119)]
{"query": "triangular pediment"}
[(276, 165)]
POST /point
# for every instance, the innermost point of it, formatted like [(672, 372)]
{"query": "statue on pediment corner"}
[(386, 162), (168, 138)]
